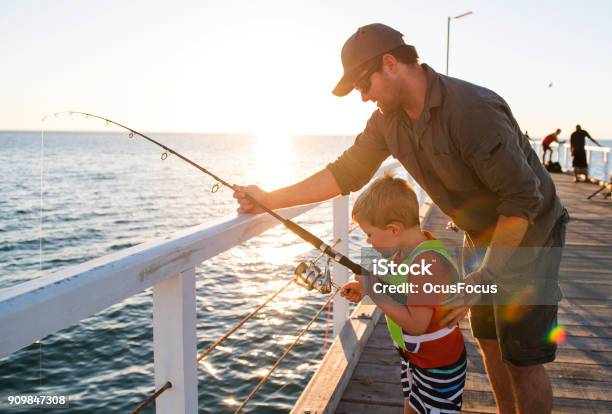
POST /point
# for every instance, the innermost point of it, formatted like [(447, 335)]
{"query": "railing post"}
[(566, 155), (341, 274), (606, 166), (174, 343), (589, 156)]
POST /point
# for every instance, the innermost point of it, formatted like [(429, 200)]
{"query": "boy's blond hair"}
[(388, 199)]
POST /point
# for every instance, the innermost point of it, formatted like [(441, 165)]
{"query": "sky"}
[(268, 67)]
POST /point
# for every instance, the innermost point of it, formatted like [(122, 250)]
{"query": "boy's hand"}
[(351, 291)]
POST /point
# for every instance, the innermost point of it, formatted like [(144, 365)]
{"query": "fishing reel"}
[(310, 276)]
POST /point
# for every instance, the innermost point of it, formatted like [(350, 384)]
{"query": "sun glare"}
[(275, 158)]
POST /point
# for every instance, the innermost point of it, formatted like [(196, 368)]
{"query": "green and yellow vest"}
[(396, 332)]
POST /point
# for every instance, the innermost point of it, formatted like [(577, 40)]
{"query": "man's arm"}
[(490, 147), (592, 139), (318, 187), (509, 232), (507, 237)]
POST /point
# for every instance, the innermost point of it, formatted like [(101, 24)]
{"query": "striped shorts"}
[(434, 390)]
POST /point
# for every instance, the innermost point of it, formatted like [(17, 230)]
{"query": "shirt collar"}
[(433, 98)]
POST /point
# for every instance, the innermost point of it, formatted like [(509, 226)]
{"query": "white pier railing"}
[(32, 310)]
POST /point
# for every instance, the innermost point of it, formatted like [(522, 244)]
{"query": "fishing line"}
[(40, 237), (284, 355), (298, 230)]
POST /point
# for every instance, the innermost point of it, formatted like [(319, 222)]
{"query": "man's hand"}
[(318, 187), (458, 308), (245, 205), (509, 232), (351, 291)]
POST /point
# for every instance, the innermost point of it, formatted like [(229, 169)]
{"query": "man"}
[(462, 145), (579, 160), (549, 139)]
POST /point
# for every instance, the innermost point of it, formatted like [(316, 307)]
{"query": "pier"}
[(362, 374)]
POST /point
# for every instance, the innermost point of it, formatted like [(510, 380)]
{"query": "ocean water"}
[(104, 192)]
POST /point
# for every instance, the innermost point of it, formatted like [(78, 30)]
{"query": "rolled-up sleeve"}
[(356, 166), (490, 145)]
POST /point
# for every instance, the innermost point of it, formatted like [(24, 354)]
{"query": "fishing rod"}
[(603, 187), (290, 225)]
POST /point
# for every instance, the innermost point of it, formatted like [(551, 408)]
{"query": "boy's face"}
[(380, 239)]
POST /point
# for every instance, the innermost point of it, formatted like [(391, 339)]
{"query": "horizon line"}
[(173, 132)]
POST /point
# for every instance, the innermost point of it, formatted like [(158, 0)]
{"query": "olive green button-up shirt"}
[(467, 152)]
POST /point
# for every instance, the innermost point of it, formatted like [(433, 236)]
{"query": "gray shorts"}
[(523, 330)]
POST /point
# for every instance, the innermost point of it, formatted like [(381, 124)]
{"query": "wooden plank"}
[(483, 402), (593, 294), (599, 313), (374, 393), (567, 388), (383, 394), (361, 408), (564, 318), (563, 387)]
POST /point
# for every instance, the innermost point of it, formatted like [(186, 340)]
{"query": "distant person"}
[(579, 160), (527, 136), (388, 212), (549, 139)]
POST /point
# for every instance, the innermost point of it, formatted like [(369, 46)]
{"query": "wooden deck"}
[(582, 374)]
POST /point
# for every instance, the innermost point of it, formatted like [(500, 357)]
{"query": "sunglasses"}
[(363, 82)]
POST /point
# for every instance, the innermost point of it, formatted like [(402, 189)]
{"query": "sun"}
[(275, 158)]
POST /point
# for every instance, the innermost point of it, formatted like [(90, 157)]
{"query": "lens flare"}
[(517, 309), (557, 335)]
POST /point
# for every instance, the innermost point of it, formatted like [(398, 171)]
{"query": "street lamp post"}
[(448, 35)]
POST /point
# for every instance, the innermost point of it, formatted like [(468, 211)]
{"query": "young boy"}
[(433, 362)]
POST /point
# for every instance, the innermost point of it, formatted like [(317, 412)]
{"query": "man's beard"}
[(389, 107)]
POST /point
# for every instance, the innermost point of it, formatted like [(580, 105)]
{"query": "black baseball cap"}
[(365, 44)]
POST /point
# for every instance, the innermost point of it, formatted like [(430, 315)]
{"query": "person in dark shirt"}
[(549, 139), (462, 145), (579, 159)]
